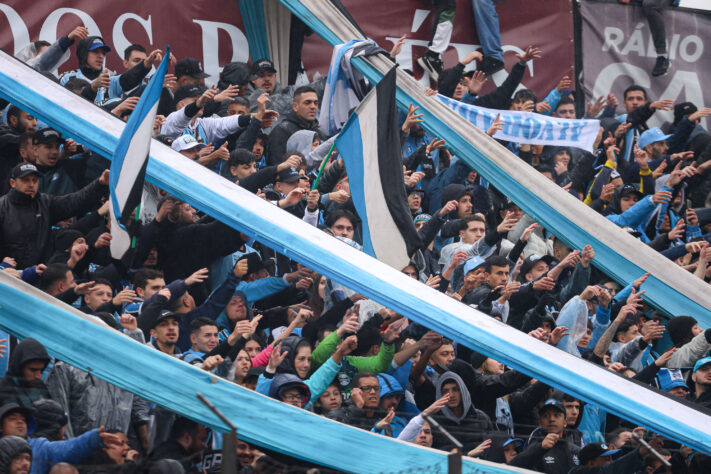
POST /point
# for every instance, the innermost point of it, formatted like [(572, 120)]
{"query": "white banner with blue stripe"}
[(528, 127)]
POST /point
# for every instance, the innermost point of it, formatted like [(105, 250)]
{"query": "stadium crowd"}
[(200, 291)]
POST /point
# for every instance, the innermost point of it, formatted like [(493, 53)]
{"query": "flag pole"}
[(323, 166)]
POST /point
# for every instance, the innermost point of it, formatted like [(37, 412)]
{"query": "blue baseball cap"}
[(670, 378), (473, 263), (593, 451), (701, 362), (653, 135), (518, 442), (97, 43)]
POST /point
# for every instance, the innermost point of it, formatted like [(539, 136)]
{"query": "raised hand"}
[(198, 277), (397, 47), (477, 81), (79, 33), (436, 406), (276, 358), (496, 126), (412, 118), (128, 322), (530, 53), (127, 295)]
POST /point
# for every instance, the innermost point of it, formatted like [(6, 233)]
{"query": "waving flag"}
[(128, 166), (370, 147)]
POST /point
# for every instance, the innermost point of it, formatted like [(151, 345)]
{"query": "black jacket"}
[(9, 154), (630, 462), (281, 133), (171, 449), (13, 387), (25, 222), (560, 459)]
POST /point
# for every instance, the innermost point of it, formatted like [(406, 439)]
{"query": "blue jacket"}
[(390, 386), (46, 453), (637, 216)]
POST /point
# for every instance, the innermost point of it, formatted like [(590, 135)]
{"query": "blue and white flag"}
[(528, 127), (370, 147), (344, 87), (128, 166)]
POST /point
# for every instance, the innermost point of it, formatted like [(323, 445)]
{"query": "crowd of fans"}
[(200, 291)]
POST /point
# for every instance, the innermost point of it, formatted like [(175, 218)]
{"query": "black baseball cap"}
[(262, 65), (235, 73), (190, 67), (531, 261), (190, 90), (164, 314), (593, 451), (552, 404), (45, 136), (630, 189), (289, 175), (23, 169)]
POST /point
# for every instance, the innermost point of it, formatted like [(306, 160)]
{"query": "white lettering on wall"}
[(120, 42), (20, 35), (210, 46)]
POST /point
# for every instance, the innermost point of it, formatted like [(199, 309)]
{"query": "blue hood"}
[(283, 382), (223, 322), (389, 386)]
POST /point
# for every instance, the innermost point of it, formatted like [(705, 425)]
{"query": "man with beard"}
[(19, 122)]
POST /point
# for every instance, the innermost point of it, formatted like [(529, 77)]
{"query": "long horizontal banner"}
[(670, 288), (88, 344), (528, 127), (308, 245)]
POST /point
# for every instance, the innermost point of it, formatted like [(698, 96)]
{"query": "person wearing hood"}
[(391, 395), (27, 216), (309, 144), (459, 416), (23, 382), (91, 56), (692, 342), (16, 421), (296, 359), (547, 449), (290, 389), (15, 455), (303, 116)]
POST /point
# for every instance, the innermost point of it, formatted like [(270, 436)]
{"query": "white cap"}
[(186, 142)]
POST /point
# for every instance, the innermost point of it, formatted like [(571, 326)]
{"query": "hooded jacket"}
[(13, 387), (470, 428), (279, 136), (26, 222), (390, 386), (10, 448), (284, 382)]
